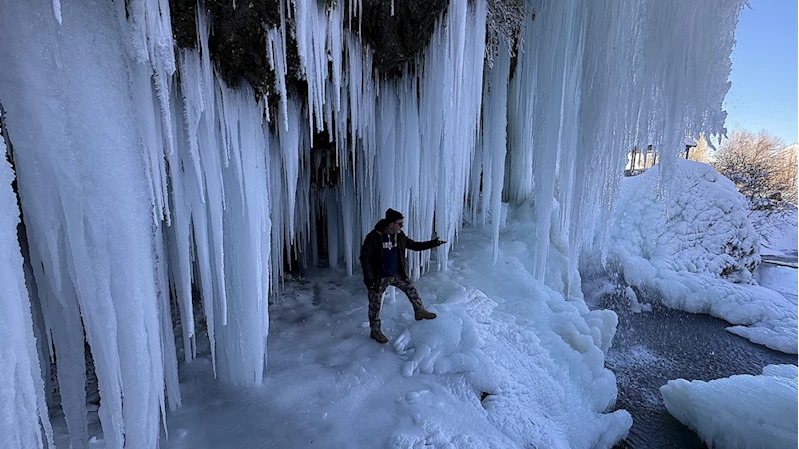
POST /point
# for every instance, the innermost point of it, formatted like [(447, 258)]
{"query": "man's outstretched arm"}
[(413, 245)]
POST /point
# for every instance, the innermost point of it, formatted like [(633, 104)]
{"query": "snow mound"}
[(699, 225), (452, 343), (516, 368), (695, 247), (740, 411)]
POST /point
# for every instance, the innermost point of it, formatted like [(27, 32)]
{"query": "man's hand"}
[(440, 242)]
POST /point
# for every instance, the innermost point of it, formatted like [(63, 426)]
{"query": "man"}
[(383, 263)]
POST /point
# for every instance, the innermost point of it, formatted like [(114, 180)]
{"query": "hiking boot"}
[(378, 336), (423, 314)]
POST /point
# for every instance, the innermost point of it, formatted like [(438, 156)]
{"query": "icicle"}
[(347, 200), (246, 221), (180, 238), (278, 196), (462, 87), (547, 113), (93, 212), (211, 164), (311, 26), (290, 150), (57, 10), (494, 130), (335, 39), (169, 361), (277, 59)]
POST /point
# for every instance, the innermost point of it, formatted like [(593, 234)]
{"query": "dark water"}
[(651, 348)]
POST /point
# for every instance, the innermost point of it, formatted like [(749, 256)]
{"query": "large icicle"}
[(464, 50), (311, 33), (276, 50), (494, 140), (242, 340), (23, 411)]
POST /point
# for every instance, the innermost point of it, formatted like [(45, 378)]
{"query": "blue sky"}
[(764, 70)]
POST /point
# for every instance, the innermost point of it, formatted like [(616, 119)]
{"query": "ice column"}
[(494, 141)]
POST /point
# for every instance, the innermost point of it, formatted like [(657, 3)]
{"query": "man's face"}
[(396, 226)]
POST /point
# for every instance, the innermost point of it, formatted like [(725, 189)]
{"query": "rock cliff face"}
[(394, 31)]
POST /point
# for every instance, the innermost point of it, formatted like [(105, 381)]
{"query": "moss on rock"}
[(237, 42), (397, 39), (238, 36)]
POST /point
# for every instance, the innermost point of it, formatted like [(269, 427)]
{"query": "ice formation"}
[(740, 411), (143, 177)]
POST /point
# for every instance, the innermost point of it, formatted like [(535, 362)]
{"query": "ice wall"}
[(148, 185)]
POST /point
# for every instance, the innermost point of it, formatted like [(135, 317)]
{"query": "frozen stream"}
[(652, 348)]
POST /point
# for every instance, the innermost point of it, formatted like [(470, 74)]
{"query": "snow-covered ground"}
[(694, 247), (739, 411), (505, 364)]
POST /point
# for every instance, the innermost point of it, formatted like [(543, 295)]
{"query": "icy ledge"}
[(739, 411), (695, 248)]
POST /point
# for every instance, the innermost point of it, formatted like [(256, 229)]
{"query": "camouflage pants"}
[(376, 297)]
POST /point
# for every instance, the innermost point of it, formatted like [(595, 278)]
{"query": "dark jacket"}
[(372, 253)]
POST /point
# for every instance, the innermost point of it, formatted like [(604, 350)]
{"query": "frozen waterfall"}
[(146, 182)]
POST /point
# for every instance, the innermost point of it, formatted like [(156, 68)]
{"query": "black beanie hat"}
[(393, 215)]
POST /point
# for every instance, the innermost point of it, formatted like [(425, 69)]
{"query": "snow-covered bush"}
[(763, 170)]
